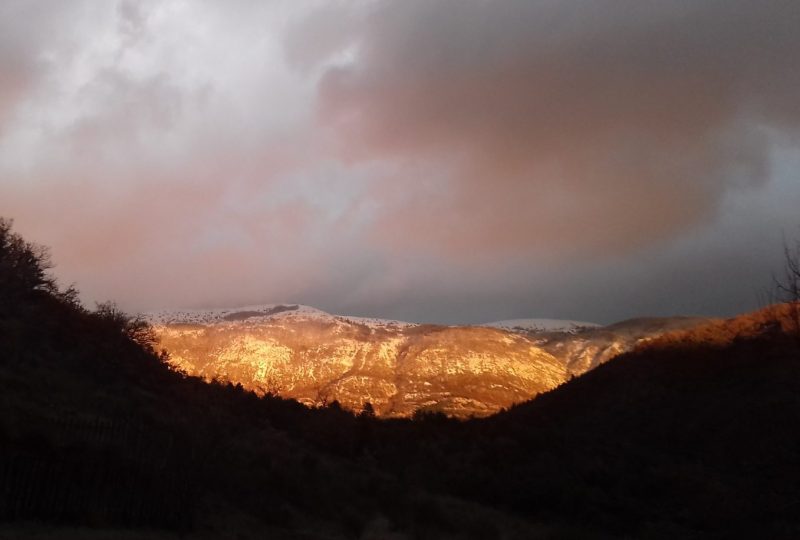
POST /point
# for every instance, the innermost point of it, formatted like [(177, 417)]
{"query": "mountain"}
[(586, 347), (691, 435), (398, 367), (541, 325), (99, 439)]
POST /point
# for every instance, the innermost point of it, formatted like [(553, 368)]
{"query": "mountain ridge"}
[(398, 367), (691, 435)]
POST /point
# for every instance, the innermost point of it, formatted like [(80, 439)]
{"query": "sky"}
[(451, 161)]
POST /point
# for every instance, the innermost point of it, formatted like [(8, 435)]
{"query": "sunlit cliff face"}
[(399, 368), (396, 367), (449, 161)]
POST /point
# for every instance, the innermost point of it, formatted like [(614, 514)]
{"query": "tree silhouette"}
[(136, 328), (367, 411), (24, 267), (787, 286)]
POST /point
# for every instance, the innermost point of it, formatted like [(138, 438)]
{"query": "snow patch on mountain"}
[(256, 313), (542, 325), (263, 312), (376, 323)]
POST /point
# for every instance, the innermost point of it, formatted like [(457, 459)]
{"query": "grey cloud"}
[(565, 127), (437, 160), (25, 28)]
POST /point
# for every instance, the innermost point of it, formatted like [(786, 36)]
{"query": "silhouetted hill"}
[(97, 431), (691, 435)]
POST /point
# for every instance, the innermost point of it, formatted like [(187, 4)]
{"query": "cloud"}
[(26, 27), (156, 147), (556, 128), (443, 160)]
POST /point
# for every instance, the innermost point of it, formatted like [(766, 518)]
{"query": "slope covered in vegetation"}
[(693, 435), (96, 431)]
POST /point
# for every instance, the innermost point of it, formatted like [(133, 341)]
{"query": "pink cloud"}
[(560, 130)]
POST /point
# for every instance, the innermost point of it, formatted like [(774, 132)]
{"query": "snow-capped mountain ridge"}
[(257, 312), (315, 357), (542, 325), (220, 315)]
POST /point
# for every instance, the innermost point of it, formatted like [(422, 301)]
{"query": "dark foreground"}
[(694, 436)]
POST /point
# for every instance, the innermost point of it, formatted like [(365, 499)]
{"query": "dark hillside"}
[(693, 435), (96, 431)]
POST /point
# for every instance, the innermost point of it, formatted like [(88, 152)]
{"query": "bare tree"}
[(24, 267), (787, 284), (136, 328), (271, 386), (323, 397)]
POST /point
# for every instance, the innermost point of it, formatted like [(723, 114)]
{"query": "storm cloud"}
[(563, 126), (448, 160)]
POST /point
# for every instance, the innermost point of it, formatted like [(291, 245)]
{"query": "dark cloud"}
[(437, 160), (560, 127)]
